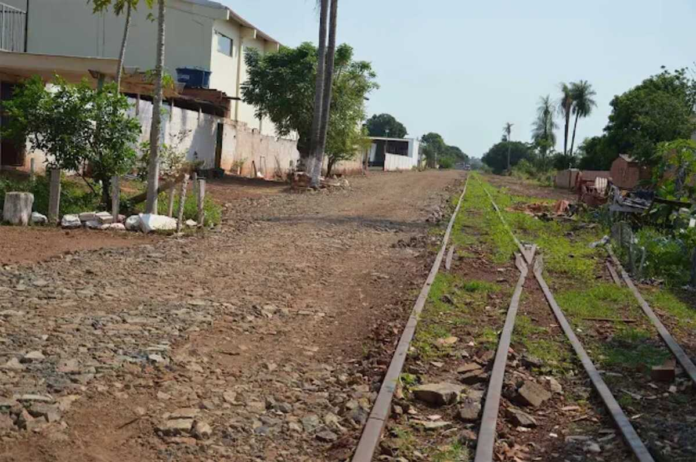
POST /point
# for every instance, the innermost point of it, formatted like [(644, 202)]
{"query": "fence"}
[(13, 23)]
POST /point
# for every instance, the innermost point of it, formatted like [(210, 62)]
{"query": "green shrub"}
[(213, 212), (74, 198)]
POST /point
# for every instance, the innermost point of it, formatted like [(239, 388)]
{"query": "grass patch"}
[(75, 197), (213, 212), (603, 300), (632, 348), (455, 452), (554, 354), (666, 300)]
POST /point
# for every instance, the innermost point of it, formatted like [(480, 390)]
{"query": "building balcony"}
[(13, 28)]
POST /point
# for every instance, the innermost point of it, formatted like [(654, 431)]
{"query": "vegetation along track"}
[(681, 447), (470, 332)]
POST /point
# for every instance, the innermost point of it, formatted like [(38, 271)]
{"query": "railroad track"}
[(526, 259)]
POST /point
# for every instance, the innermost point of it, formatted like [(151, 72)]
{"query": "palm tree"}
[(565, 107), (119, 7), (326, 99), (507, 133), (583, 102), (545, 125), (153, 167), (319, 87)]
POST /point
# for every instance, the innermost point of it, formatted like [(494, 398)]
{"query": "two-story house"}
[(200, 34)]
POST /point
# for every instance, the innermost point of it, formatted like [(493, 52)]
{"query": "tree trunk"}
[(122, 53), (575, 129), (328, 87), (329, 166), (319, 88), (106, 193), (567, 125), (153, 168)]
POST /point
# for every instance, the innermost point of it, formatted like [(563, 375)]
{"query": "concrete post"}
[(201, 202), (115, 197), (54, 196), (32, 170), (182, 201), (170, 206)]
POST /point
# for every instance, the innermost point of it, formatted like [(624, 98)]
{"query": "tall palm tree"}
[(565, 107), (153, 167), (119, 7), (326, 98), (319, 87), (583, 102), (507, 133), (545, 125)]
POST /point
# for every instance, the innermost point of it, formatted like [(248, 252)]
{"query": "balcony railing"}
[(13, 23)]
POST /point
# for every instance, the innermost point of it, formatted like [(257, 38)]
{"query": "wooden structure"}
[(626, 172)]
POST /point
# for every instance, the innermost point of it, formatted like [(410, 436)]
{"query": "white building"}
[(393, 154), (199, 34)]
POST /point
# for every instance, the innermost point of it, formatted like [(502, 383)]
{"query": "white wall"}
[(394, 162)]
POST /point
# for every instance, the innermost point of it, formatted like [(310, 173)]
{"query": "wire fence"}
[(12, 28)]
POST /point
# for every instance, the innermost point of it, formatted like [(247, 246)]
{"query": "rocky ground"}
[(261, 340)]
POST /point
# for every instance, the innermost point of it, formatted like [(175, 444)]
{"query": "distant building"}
[(392, 154), (626, 172)]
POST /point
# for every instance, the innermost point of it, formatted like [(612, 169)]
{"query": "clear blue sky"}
[(463, 68)]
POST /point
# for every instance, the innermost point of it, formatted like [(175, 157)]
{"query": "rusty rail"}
[(629, 433), (486, 437), (672, 344), (369, 440)]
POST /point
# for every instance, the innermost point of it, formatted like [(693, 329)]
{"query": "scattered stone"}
[(202, 430), (230, 397), (70, 222), (431, 426), (469, 367), (33, 357), (38, 219), (555, 385), (35, 399), (17, 208), (87, 217), (310, 423), (175, 427), (474, 377), (520, 419), (327, 436), (13, 364), (447, 341), (530, 361), (532, 394), (150, 223), (132, 223), (184, 413), (439, 394), (48, 411), (592, 447), (664, 373), (469, 410), (191, 223), (117, 227), (105, 218)]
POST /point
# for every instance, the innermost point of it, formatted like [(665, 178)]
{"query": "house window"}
[(224, 44)]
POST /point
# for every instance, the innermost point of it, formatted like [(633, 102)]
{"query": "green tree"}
[(76, 126), (432, 147), (282, 87), (565, 109), (385, 125), (583, 95), (676, 173), (660, 109), (543, 130), (595, 154), (497, 156), (120, 6)]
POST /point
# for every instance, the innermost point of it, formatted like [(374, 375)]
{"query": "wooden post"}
[(170, 208), (115, 197), (54, 196), (182, 202), (32, 170), (194, 186), (201, 202)]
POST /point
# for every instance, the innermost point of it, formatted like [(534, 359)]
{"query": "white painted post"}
[(194, 181), (32, 169), (54, 196), (201, 202), (115, 197), (170, 208), (182, 201)]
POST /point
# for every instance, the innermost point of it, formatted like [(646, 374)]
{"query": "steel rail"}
[(487, 433), (672, 344), (369, 440), (629, 433)]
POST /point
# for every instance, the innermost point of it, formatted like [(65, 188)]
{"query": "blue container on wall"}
[(193, 77)]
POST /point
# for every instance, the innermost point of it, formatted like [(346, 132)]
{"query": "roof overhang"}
[(21, 66)]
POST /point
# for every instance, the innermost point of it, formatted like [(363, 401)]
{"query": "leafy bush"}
[(213, 211)]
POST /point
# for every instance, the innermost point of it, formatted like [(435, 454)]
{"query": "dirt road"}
[(255, 342)]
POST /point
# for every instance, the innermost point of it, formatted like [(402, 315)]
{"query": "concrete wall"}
[(394, 163), (272, 157)]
